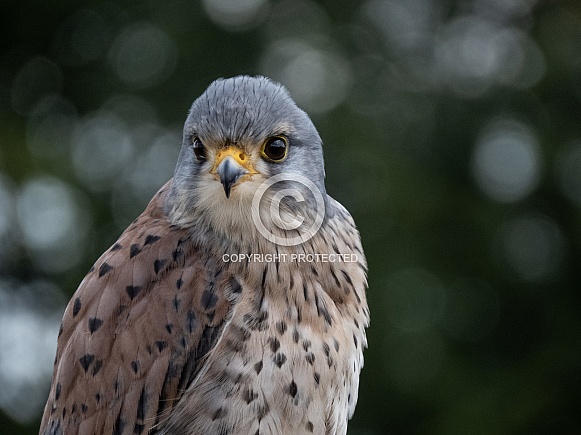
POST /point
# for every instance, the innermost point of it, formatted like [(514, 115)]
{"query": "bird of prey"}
[(197, 322)]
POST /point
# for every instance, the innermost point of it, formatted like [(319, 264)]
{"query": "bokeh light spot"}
[(156, 165), (52, 224), (406, 25), (473, 54), (506, 161), (102, 147), (235, 15), (153, 168), (317, 79), (28, 332)]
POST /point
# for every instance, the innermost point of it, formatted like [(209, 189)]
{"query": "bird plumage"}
[(166, 335)]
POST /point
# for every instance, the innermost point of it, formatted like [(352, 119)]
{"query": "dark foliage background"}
[(452, 133)]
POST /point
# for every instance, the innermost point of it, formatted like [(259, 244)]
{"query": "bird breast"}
[(283, 365)]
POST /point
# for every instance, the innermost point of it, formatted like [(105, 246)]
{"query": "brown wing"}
[(135, 331)]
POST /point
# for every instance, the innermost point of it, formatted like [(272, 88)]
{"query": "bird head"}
[(240, 133)]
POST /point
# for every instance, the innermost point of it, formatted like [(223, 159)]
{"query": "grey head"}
[(240, 132)]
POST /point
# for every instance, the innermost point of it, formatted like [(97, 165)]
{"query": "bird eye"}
[(275, 149), (199, 150)]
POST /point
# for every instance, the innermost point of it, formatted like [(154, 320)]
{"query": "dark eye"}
[(199, 150), (275, 149)]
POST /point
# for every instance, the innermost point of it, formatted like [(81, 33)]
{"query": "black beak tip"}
[(229, 174), (227, 187)]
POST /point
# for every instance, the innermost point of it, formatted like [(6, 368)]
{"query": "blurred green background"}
[(452, 133)]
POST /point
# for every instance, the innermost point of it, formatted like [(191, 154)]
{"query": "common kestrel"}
[(235, 303)]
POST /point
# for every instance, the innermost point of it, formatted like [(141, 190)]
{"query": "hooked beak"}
[(231, 164), (229, 172)]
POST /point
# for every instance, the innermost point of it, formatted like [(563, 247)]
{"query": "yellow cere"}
[(238, 155)]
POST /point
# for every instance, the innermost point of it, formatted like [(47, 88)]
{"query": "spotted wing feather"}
[(136, 331)]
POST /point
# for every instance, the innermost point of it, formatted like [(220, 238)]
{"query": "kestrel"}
[(216, 312)]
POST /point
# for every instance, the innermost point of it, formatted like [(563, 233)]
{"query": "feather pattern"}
[(135, 332)]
